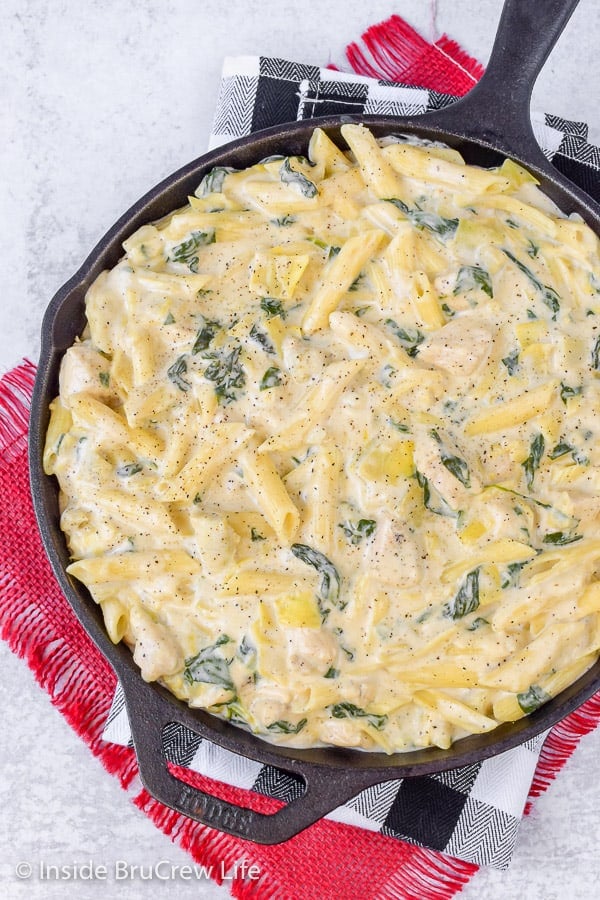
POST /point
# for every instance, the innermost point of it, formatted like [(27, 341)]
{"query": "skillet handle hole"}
[(248, 784)]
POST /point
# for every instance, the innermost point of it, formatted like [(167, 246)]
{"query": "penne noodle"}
[(512, 412), (123, 566), (269, 493), (340, 274)]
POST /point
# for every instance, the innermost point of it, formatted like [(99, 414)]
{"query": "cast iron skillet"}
[(489, 124)]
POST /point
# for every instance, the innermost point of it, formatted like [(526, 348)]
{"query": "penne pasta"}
[(512, 412), (269, 493), (341, 273)]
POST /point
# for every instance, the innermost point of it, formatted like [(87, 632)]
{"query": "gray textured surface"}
[(101, 101)]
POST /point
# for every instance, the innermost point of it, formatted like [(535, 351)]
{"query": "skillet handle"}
[(496, 110), (325, 789)]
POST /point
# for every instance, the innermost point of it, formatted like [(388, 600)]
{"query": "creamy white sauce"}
[(344, 496)]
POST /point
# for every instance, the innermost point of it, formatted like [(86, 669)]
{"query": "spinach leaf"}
[(532, 699), (432, 499), (357, 282), (532, 249), (209, 667), (186, 251), (457, 467), (330, 579), (421, 219), (356, 531), (350, 711), (467, 598), (283, 727), (511, 362), (271, 378), (349, 653), (477, 623), (560, 538), (529, 499), (169, 319), (234, 712), (510, 578), (532, 463), (284, 221), (256, 535), (212, 183), (596, 355), (470, 277), (227, 373), (262, 339), (551, 299), (409, 338), (399, 426), (104, 379), (206, 333), (561, 449), (548, 295), (331, 673), (176, 373), (272, 307), (129, 469), (580, 458), (567, 392), (386, 375), (290, 176), (246, 650)]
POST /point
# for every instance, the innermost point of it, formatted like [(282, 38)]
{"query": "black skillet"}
[(492, 122)]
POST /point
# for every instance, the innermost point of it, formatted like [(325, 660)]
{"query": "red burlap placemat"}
[(328, 861)]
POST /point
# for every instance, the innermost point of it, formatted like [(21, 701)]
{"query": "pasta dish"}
[(328, 447)]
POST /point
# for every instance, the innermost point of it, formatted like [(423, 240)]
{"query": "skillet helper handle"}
[(499, 105), (325, 789)]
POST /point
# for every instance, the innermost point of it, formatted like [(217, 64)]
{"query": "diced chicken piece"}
[(429, 456), (83, 369), (270, 703), (311, 650), (459, 347), (156, 650), (393, 556), (341, 732)]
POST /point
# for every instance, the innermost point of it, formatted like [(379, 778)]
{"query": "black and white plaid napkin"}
[(474, 812), (259, 91)]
